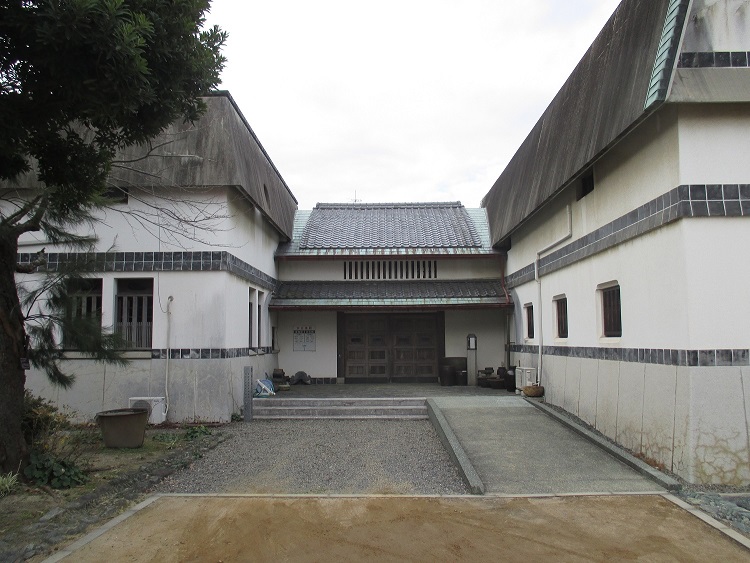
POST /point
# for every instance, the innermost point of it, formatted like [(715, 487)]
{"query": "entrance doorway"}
[(394, 348)]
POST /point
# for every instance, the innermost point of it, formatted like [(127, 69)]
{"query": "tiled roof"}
[(399, 225), (454, 293), (386, 229)]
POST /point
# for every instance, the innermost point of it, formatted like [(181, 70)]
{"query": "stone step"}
[(273, 408), (333, 402)]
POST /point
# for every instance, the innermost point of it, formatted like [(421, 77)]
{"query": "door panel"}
[(391, 347)]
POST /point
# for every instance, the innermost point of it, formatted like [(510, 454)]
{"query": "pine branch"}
[(41, 260)]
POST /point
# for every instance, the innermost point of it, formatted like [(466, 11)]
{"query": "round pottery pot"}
[(123, 428), (533, 390)]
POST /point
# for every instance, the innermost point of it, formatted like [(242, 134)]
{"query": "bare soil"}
[(21, 511), (28, 503), (227, 529)]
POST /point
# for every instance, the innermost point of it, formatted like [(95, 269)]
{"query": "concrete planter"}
[(123, 428)]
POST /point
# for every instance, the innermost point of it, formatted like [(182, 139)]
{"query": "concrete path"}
[(518, 450)]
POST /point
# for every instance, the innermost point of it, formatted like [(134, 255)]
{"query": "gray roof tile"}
[(393, 293), (389, 226)]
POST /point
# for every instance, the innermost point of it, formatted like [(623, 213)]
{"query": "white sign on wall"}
[(304, 339)]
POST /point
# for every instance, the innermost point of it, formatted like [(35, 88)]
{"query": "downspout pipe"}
[(538, 278), (169, 353)]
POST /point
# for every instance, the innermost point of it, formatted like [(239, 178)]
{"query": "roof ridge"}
[(394, 205)]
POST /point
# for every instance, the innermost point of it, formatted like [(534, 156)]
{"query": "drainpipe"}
[(538, 278), (169, 353), (507, 316)]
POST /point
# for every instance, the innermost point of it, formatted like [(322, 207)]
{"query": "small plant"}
[(236, 417), (8, 483), (196, 432), (165, 437), (44, 469)]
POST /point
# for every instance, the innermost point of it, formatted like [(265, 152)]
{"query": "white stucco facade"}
[(186, 254), (679, 291)]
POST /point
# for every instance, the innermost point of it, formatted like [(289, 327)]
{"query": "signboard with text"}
[(304, 339)]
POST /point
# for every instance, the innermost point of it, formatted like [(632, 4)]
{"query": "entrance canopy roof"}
[(425, 294)]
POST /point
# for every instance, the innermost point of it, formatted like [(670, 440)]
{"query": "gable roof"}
[(624, 76), (389, 228)]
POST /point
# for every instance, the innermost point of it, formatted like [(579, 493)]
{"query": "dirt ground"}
[(29, 502), (224, 529)]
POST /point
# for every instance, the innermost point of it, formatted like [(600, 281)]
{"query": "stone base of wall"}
[(199, 390), (692, 421)]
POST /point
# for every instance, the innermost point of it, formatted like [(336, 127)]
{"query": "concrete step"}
[(388, 408), (280, 401)]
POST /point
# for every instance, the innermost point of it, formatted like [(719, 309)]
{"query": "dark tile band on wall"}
[(718, 59), (204, 261), (658, 356), (206, 353), (686, 201)]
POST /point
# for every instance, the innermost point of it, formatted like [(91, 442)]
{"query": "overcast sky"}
[(399, 100)]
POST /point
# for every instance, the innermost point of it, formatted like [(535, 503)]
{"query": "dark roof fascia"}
[(285, 236), (503, 244), (337, 255), (527, 184), (227, 95), (251, 200), (401, 309)]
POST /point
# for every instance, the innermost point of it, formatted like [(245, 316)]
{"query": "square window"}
[(561, 309), (611, 311), (586, 186), (529, 321)]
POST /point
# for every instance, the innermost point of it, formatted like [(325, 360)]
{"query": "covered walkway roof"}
[(380, 295)]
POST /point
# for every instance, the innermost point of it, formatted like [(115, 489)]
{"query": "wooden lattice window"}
[(529, 321), (561, 308), (611, 310)]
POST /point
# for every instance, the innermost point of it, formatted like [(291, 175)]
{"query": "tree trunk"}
[(13, 448)]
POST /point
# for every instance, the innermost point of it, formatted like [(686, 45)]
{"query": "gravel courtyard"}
[(321, 457)]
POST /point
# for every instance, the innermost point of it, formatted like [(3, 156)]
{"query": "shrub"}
[(56, 447), (44, 469), (41, 420), (8, 483)]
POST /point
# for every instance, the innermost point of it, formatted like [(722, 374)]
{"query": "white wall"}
[(199, 390), (718, 25), (637, 170), (320, 363), (714, 143), (150, 225), (682, 287), (651, 271), (448, 269), (238, 228), (488, 326), (250, 237), (692, 421)]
